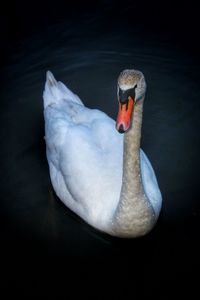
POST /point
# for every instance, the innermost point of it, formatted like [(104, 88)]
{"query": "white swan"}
[(100, 174)]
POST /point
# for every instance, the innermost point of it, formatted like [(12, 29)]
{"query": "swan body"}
[(86, 157)]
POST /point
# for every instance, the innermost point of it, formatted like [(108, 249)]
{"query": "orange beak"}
[(124, 115)]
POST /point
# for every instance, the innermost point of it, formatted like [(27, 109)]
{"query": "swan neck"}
[(134, 215)]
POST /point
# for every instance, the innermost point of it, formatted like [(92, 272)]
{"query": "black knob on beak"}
[(123, 95)]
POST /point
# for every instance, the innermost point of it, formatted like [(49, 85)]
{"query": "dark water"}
[(40, 237)]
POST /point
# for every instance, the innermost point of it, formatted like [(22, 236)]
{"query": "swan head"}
[(131, 89)]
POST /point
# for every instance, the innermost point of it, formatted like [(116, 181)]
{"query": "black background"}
[(178, 21), (29, 266)]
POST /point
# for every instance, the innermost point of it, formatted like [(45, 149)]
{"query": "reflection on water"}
[(89, 60)]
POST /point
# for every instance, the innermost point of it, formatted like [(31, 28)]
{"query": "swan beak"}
[(124, 115)]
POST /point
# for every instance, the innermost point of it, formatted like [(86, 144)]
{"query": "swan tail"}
[(55, 91)]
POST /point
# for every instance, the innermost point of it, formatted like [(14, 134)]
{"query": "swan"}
[(96, 166)]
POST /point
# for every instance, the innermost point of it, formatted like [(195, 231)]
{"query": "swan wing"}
[(84, 152)]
